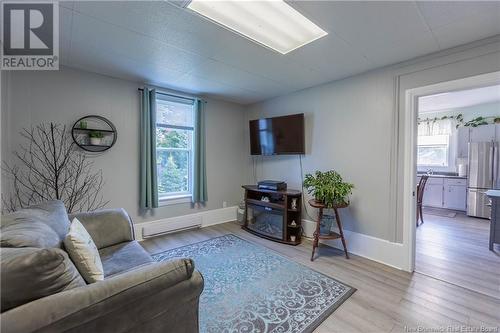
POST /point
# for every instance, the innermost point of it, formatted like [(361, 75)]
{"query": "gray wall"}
[(354, 126), (64, 96), (3, 113), (347, 129)]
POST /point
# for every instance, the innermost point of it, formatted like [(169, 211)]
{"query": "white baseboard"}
[(177, 223), (373, 248)]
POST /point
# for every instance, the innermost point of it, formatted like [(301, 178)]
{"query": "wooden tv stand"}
[(265, 219)]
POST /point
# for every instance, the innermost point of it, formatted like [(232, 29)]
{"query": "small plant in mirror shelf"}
[(328, 188), (83, 124), (95, 137)]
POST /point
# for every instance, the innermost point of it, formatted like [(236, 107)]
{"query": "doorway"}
[(452, 242)]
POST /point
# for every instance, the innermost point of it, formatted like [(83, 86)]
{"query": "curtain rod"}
[(172, 95)]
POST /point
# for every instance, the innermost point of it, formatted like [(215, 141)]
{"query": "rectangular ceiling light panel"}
[(272, 23)]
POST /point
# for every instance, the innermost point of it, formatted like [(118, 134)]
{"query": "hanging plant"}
[(476, 122), (459, 118)]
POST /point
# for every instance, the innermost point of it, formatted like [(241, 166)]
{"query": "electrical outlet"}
[(224, 204)]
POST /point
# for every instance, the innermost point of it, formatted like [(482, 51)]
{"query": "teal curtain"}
[(148, 182), (200, 169)]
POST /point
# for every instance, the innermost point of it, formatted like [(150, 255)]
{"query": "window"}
[(433, 150), (174, 146)]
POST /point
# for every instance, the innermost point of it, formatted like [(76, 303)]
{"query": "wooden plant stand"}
[(332, 235)]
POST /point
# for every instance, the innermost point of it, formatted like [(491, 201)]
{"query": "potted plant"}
[(95, 138), (329, 189)]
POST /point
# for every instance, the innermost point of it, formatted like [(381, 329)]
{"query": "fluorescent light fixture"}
[(271, 23)]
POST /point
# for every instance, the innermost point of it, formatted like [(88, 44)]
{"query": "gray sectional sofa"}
[(42, 291)]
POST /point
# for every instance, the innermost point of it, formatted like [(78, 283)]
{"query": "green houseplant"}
[(329, 189), (95, 137)]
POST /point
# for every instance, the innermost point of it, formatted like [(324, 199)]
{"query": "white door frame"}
[(410, 151)]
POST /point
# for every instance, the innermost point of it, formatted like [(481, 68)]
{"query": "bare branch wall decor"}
[(48, 166)]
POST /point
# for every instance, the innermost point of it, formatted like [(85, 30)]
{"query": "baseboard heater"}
[(170, 225)]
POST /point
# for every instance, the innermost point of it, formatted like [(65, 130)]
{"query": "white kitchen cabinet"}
[(433, 193), (482, 133), (455, 194), (463, 142), (450, 193)]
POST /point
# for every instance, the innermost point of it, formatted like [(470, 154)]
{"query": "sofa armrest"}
[(107, 226), (158, 297)]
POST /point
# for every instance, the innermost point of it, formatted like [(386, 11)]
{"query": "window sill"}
[(174, 200)]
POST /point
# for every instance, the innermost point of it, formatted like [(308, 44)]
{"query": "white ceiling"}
[(159, 43), (459, 99)]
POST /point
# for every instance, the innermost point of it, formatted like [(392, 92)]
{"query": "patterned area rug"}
[(250, 288)]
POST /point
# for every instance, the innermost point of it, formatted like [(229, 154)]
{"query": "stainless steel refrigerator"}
[(483, 176)]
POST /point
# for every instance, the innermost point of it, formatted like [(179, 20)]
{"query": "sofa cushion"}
[(25, 233), (31, 273), (123, 257), (82, 250), (44, 225)]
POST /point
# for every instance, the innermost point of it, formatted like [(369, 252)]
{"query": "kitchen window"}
[(433, 150), (174, 146)]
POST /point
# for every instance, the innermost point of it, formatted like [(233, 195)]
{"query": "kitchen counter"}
[(493, 193), (442, 176), (495, 217)]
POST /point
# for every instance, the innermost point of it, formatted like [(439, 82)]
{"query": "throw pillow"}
[(23, 227), (82, 250), (24, 232), (29, 273)]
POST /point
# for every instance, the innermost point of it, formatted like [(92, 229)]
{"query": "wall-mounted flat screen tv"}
[(277, 136)]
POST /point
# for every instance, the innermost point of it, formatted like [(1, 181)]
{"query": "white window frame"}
[(184, 196), (434, 141)]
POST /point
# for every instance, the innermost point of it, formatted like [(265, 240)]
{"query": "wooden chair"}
[(420, 197)]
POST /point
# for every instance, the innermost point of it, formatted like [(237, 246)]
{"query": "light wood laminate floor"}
[(387, 299), (456, 250)]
